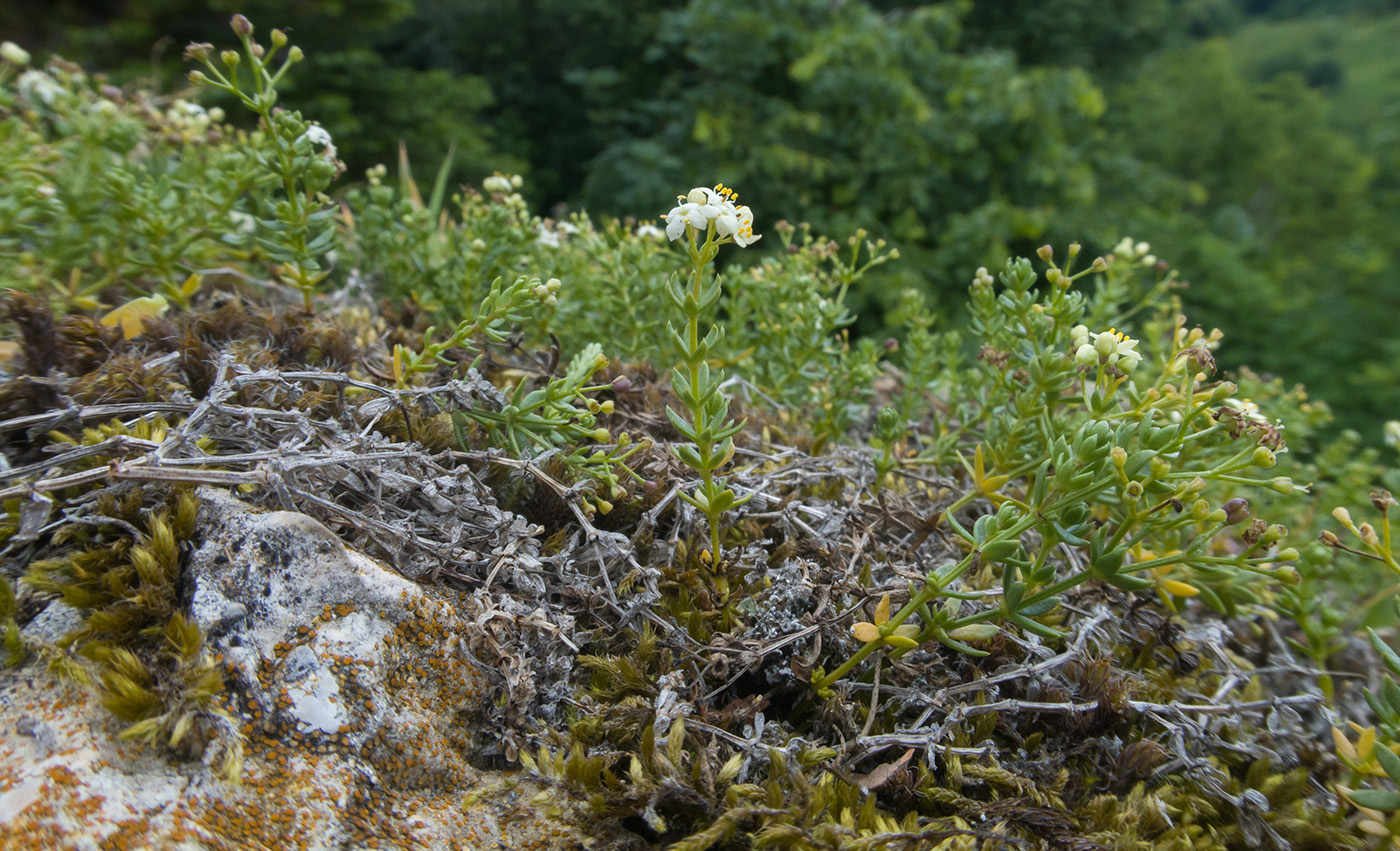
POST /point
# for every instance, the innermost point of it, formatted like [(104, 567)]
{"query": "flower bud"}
[(1045, 252), (1073, 250), (1119, 456), (277, 37), (1200, 510), (1264, 457), (1087, 355), (1328, 539), (296, 54), (1099, 264), (1141, 248), (621, 384), (698, 195), (1342, 516), (230, 58), (496, 184), (604, 506), (602, 435), (257, 50), (241, 26), (1053, 276), (197, 78), (1223, 391), (1368, 534), (1159, 466), (1105, 344), (607, 407), (1236, 510), (13, 53), (1288, 574), (1287, 554), (196, 50), (1283, 485)]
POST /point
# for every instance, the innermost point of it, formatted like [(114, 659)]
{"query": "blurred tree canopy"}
[(960, 131)]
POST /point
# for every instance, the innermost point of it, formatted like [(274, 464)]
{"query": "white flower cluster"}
[(701, 206), (502, 184), (320, 137), (38, 87), (1128, 251), (1111, 348)]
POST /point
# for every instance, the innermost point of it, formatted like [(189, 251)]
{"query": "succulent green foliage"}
[(1082, 440), (106, 190)]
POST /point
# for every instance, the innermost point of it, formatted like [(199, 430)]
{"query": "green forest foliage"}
[(1247, 142)]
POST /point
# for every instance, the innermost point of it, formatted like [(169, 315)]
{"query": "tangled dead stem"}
[(669, 689)]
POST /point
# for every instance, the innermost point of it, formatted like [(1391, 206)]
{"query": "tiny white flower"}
[(568, 227), (1392, 433), (496, 184), (548, 237), (649, 231), (744, 236), (319, 137), (36, 85), (689, 213), (1247, 410)]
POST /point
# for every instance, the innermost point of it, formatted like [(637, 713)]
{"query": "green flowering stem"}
[(303, 224), (710, 214)]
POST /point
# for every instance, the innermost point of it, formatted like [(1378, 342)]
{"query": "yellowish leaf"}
[(901, 642), (1179, 589), (1345, 749), (882, 610), (132, 316), (866, 632)]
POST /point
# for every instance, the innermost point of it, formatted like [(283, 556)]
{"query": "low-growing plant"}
[(298, 229), (1079, 439)]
